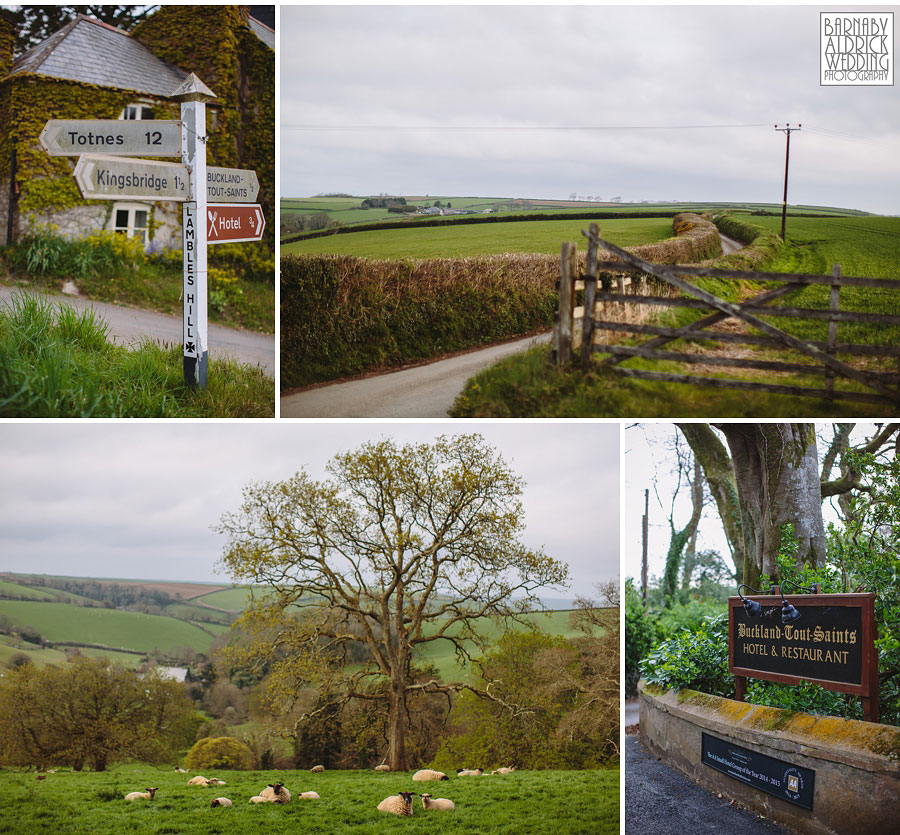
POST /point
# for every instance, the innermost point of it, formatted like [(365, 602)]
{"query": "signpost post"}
[(832, 644), (102, 174)]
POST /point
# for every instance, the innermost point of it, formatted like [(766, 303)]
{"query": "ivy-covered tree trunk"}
[(718, 471), (680, 539), (777, 475)]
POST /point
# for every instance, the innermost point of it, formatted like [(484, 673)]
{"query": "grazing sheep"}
[(198, 781), (147, 794), (276, 793), (469, 772), (398, 804), (316, 769), (260, 799), (308, 796), (382, 767), (428, 774), (220, 801), (504, 770), (440, 803)]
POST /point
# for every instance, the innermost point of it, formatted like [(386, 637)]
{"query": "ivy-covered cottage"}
[(91, 70)]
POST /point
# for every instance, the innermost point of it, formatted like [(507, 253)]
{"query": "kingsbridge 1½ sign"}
[(832, 644)]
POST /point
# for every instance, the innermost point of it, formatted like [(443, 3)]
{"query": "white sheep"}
[(439, 803), (220, 801), (260, 799), (469, 772), (504, 770), (428, 774), (147, 794), (308, 796), (215, 781), (179, 770), (316, 769), (276, 793), (382, 767), (398, 804), (198, 781)]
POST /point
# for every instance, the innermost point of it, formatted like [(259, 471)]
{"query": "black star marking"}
[(189, 347)]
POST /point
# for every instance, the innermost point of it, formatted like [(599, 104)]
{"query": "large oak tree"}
[(399, 548)]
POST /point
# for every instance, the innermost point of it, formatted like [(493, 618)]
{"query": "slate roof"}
[(96, 53), (263, 32)]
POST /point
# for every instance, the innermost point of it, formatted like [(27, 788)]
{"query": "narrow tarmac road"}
[(421, 392), (424, 391), (131, 325), (660, 800)]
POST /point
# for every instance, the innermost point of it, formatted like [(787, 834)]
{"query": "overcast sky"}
[(648, 463), (137, 500), (562, 66)]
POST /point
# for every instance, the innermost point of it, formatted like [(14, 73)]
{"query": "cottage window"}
[(137, 111), (131, 219)]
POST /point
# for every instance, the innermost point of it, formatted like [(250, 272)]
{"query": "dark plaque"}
[(824, 644), (792, 783)]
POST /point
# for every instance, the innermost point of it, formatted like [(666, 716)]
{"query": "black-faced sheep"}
[(147, 794), (439, 803), (276, 793), (398, 804), (428, 774), (220, 801)]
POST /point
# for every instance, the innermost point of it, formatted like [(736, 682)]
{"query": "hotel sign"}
[(831, 644)]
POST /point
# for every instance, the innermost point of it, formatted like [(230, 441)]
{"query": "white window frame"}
[(130, 228), (138, 109)]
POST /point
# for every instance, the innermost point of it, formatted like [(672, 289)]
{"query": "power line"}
[(511, 128)]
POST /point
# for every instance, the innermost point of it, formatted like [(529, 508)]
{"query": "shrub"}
[(641, 633), (223, 752)]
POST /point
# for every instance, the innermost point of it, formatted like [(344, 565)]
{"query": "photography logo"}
[(857, 49)]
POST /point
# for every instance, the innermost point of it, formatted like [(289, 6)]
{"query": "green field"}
[(110, 627), (522, 803), (232, 600), (539, 236)]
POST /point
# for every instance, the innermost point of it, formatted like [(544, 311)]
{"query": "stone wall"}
[(857, 764)]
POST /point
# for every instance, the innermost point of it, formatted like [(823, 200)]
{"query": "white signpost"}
[(150, 138), (102, 175), (231, 185)]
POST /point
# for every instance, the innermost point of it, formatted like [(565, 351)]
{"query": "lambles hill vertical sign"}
[(831, 644)]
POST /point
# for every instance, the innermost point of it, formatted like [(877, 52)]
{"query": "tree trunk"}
[(397, 726), (777, 475), (678, 540), (718, 471)]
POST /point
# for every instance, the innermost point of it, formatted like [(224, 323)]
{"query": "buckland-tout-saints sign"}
[(828, 639)]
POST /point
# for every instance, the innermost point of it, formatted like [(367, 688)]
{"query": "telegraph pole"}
[(787, 155), (645, 523)]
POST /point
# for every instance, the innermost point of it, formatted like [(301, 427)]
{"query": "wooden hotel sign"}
[(831, 644)]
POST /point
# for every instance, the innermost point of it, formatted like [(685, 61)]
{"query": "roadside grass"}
[(56, 362), (526, 385), (464, 240), (522, 803)]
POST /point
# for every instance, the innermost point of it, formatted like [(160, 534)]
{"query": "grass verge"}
[(522, 803), (56, 362)]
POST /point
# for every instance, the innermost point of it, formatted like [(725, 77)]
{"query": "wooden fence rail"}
[(820, 355)]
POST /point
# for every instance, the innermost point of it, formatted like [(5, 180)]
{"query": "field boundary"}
[(881, 386)]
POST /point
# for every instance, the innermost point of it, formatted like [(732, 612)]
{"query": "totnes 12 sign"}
[(831, 644)]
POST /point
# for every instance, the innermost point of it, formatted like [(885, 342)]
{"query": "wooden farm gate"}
[(882, 387)]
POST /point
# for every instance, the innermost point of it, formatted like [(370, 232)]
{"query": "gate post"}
[(565, 316), (590, 296)]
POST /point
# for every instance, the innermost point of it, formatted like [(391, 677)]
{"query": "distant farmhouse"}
[(91, 70)]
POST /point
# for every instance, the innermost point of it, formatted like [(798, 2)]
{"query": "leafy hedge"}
[(341, 315)]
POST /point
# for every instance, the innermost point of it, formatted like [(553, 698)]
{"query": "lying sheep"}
[(428, 774), (220, 801), (260, 799), (504, 770), (215, 781), (317, 769), (276, 793), (308, 796), (469, 772), (147, 794), (398, 804), (382, 767), (439, 803), (180, 770), (198, 781)]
